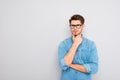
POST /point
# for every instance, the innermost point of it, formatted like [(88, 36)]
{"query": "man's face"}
[(76, 27)]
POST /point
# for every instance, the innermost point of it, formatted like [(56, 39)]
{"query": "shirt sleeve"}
[(92, 65), (61, 53)]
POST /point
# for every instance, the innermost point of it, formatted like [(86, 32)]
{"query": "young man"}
[(77, 55)]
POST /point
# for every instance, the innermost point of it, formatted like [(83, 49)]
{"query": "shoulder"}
[(88, 41), (65, 41), (89, 44)]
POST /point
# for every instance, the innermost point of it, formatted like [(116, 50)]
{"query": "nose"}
[(75, 27)]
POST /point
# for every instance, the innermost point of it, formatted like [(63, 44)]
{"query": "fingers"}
[(73, 36), (78, 35)]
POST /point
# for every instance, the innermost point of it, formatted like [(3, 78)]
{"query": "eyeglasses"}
[(72, 26)]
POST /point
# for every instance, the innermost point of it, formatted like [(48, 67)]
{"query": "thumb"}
[(73, 36)]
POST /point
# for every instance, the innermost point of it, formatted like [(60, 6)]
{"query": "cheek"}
[(72, 30), (80, 30)]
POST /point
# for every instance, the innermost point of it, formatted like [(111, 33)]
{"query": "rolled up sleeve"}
[(92, 65), (61, 53)]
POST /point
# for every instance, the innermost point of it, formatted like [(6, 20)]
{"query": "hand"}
[(77, 39)]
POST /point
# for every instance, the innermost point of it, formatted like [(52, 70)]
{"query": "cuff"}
[(87, 66), (64, 66)]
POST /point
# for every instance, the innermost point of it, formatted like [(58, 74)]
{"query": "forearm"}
[(78, 67), (70, 55)]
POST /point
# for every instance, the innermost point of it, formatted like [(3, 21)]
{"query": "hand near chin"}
[(77, 39)]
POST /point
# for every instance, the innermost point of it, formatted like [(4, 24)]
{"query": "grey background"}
[(30, 31)]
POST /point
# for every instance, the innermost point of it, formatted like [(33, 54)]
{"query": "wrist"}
[(75, 45)]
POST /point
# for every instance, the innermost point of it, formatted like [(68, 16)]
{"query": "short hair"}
[(77, 17)]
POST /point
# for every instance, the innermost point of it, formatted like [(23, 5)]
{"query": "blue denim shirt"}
[(86, 54)]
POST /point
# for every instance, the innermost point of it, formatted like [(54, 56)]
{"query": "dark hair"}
[(77, 17)]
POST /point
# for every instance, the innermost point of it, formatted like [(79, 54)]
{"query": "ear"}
[(83, 26)]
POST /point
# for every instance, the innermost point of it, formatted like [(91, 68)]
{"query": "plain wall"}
[(30, 31)]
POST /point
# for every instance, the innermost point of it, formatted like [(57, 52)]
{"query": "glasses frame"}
[(77, 26)]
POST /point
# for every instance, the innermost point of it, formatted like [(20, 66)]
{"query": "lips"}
[(75, 31)]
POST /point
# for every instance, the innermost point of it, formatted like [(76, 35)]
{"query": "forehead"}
[(75, 22)]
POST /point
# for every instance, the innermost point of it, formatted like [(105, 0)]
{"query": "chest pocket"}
[(83, 55)]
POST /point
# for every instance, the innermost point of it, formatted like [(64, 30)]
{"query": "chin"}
[(75, 34)]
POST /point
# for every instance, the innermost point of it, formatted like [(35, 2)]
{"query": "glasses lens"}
[(77, 25)]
